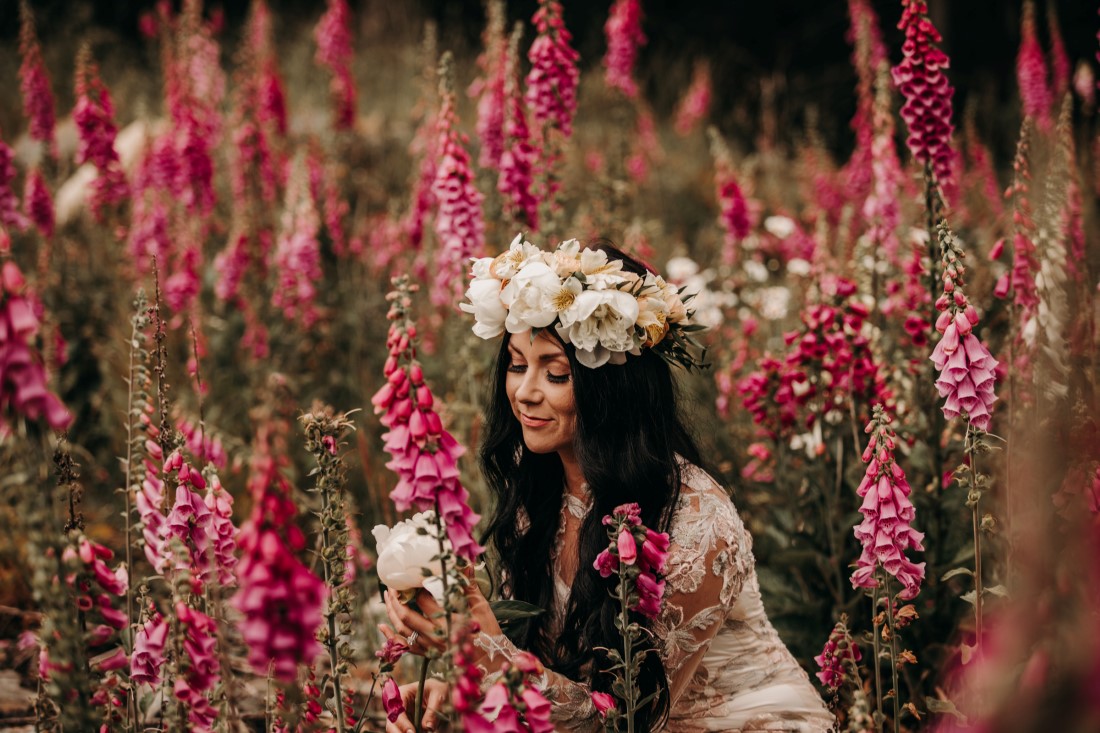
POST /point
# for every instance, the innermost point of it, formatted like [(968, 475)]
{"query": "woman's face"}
[(540, 390)]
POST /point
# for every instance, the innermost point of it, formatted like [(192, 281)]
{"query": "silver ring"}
[(411, 638)]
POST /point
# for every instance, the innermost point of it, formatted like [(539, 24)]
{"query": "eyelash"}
[(552, 378)]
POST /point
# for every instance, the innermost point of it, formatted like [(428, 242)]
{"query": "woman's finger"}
[(432, 610), (401, 725), (406, 621), (434, 698)]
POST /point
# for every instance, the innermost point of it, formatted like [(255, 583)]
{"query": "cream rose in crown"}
[(408, 555), (605, 312)]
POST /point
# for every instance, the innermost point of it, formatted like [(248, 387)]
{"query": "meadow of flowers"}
[(230, 343)]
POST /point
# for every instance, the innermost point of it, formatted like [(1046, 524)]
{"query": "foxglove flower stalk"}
[(967, 370), (839, 658), (517, 161), (623, 31), (637, 555), (880, 209), (552, 81), (695, 104), (34, 83), (188, 521), (151, 498), (281, 600), (459, 226), (39, 203), (645, 147), (885, 531), (94, 117), (147, 659), (1019, 281), (1031, 71), (733, 209), (202, 671), (203, 445), (424, 454), (868, 59), (488, 89), (223, 533), (1060, 67), (298, 254), (334, 51), (922, 82), (24, 389), (10, 215)]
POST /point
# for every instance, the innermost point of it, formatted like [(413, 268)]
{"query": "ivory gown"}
[(728, 669)]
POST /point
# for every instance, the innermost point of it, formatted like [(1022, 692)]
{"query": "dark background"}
[(799, 44)]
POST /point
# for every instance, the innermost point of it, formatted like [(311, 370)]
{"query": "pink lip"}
[(532, 422)]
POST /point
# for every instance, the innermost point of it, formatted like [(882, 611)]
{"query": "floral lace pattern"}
[(728, 669)]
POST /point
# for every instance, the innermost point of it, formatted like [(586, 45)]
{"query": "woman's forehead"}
[(542, 346)]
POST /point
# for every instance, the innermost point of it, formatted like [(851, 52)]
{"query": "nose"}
[(528, 392)]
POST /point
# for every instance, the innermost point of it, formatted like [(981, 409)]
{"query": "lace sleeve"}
[(571, 705), (710, 559)]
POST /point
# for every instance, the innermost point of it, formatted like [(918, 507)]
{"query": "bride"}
[(582, 417)]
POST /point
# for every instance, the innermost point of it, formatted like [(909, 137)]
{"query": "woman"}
[(582, 418)]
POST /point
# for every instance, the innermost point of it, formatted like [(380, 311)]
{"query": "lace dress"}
[(728, 669)]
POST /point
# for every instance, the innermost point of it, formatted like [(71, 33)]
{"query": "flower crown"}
[(592, 303)]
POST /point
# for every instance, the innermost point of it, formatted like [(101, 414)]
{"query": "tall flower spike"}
[(517, 161), (459, 226), (840, 653), (922, 82), (885, 531), (94, 117), (1031, 71), (333, 35), (34, 82), (695, 104), (623, 30), (10, 215), (552, 81), (868, 56), (297, 257), (39, 203), (24, 390), (733, 208), (880, 208), (488, 89), (424, 455), (965, 365)]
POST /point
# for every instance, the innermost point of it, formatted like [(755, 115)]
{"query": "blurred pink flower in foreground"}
[(281, 600), (623, 30), (424, 455), (885, 531), (23, 383), (967, 369), (922, 82), (333, 35)]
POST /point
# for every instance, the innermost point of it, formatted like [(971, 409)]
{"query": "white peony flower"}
[(484, 296), (519, 253), (600, 321), (529, 297), (407, 550)]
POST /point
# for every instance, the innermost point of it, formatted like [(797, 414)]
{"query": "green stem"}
[(880, 719), (363, 713), (628, 652), (975, 513), (332, 640), (893, 653), (420, 693)]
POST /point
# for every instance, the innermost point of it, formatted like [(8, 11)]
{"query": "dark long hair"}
[(628, 435)]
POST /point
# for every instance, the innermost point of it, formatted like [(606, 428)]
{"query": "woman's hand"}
[(435, 695), (430, 625)]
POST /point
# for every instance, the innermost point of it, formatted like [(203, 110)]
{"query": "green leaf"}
[(507, 611), (956, 572), (946, 707)]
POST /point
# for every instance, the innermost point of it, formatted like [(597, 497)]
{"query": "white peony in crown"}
[(592, 303)]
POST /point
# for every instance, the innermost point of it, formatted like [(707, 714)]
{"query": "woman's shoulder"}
[(705, 514)]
